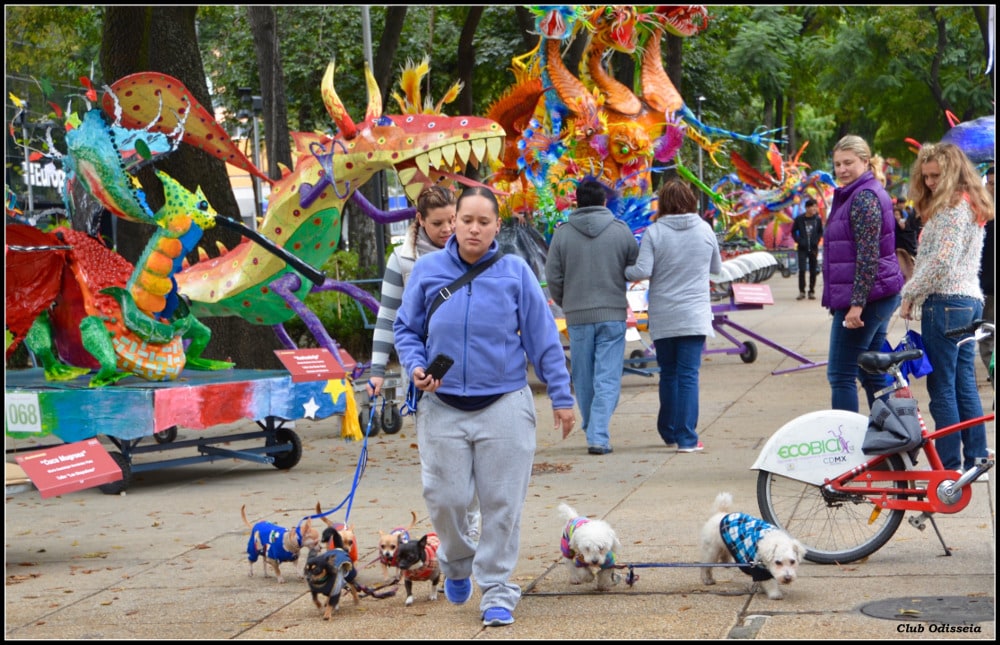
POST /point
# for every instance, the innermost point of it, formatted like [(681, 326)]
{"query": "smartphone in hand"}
[(439, 366)]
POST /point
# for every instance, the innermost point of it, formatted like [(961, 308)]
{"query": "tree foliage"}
[(887, 73)]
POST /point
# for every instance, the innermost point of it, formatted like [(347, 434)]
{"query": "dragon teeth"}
[(423, 163), (406, 174), (413, 191), (463, 149), (448, 154), (434, 157), (493, 147)]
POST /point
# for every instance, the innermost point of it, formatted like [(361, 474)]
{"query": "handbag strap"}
[(462, 280)]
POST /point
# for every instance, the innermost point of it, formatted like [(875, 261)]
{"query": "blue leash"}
[(412, 398), (358, 471)]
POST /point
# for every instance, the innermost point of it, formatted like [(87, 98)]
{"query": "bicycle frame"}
[(824, 449), (939, 493)]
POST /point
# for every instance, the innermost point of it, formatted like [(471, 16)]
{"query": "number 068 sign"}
[(23, 413)]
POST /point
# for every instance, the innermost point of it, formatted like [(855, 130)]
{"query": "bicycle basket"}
[(892, 427)]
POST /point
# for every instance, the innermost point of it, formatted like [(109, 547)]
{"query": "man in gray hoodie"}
[(585, 271)]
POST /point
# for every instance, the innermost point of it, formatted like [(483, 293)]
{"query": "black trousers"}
[(810, 258)]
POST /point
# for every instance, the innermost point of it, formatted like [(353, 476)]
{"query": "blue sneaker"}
[(497, 617), (457, 591)]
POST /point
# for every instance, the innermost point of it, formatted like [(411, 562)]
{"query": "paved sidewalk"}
[(167, 559)]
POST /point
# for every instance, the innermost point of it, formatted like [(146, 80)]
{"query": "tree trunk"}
[(675, 59), (982, 14), (467, 58), (163, 39), (263, 25), (526, 27), (367, 238), (790, 126)]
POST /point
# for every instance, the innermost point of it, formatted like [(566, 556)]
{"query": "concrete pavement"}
[(166, 560)]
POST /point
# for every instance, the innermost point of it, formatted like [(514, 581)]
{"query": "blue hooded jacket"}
[(492, 327)]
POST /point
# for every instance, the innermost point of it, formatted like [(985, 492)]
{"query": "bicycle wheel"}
[(835, 528)]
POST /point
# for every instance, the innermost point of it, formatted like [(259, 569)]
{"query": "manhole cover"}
[(953, 610)]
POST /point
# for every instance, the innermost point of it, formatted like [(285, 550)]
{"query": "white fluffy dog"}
[(771, 555), (590, 547)]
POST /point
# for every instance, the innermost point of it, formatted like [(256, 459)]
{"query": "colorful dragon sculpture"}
[(261, 279), (751, 198), (562, 126)]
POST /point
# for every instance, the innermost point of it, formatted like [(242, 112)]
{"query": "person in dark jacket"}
[(807, 231), (585, 271), (907, 236), (861, 276)]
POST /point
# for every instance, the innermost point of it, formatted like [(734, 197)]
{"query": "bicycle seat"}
[(882, 362)]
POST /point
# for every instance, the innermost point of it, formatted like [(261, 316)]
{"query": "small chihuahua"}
[(418, 561), (329, 573), (277, 544), (346, 533), (388, 545)]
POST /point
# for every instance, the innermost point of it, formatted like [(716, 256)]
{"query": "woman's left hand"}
[(905, 310), (424, 381), (565, 419), (853, 318)]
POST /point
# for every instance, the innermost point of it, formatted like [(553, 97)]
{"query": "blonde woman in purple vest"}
[(861, 275)]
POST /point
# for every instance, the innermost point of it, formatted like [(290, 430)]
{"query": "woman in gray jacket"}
[(677, 253)]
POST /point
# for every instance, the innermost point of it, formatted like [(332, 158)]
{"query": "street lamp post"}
[(256, 105), (701, 170)]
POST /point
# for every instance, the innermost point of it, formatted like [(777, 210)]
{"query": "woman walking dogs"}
[(476, 423)]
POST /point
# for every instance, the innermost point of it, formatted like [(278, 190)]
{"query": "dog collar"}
[(298, 534)]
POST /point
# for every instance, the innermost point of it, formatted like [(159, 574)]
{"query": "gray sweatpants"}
[(489, 452)]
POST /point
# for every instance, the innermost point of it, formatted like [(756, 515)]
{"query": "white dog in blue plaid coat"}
[(771, 555)]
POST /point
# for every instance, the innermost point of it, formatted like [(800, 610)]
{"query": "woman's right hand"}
[(374, 387)]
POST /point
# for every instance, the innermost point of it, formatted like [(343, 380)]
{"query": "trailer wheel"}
[(749, 353), (287, 460), (116, 487), (392, 420), (638, 353), (166, 436)]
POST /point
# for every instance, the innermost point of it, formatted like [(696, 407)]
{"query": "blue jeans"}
[(952, 385), (679, 359), (597, 356), (846, 345)]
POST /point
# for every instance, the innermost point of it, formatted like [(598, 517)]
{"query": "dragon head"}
[(423, 149), (679, 20), (306, 206), (614, 26)]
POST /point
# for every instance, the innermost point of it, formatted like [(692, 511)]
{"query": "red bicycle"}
[(815, 482)]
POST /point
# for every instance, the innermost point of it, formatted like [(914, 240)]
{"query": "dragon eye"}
[(202, 205)]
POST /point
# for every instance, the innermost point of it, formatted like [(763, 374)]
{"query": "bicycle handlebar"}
[(972, 328)]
